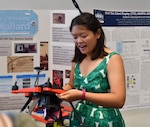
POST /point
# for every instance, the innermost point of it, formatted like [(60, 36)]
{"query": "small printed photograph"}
[(67, 73), (58, 78), (44, 55), (99, 15), (20, 64), (25, 47), (58, 18)]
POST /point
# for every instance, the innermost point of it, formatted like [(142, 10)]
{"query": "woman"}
[(97, 77)]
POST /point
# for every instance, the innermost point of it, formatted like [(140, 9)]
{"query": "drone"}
[(43, 99)]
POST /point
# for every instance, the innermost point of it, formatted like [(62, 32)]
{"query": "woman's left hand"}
[(70, 95)]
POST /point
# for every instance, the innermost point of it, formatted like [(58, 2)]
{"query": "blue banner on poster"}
[(115, 18), (18, 23)]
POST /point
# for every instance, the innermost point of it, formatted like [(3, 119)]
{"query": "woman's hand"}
[(70, 95)]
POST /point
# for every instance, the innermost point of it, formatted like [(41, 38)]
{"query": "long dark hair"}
[(91, 23)]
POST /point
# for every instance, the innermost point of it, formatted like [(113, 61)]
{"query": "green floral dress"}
[(91, 114)]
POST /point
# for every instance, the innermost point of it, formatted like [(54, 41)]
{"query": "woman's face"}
[(84, 39)]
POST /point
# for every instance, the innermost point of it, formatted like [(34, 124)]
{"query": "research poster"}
[(62, 46), (128, 33), (24, 41)]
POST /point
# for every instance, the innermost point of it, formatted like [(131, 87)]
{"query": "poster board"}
[(42, 38), (24, 44), (128, 33)]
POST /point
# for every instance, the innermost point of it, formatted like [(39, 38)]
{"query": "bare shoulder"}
[(116, 56), (115, 61)]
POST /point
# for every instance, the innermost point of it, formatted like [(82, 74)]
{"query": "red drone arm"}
[(28, 90)]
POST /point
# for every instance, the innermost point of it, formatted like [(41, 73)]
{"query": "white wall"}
[(84, 4), (133, 118)]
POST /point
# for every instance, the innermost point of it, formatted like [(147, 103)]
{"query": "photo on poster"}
[(20, 64), (44, 55), (58, 18), (25, 47), (67, 73), (99, 15), (58, 78)]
